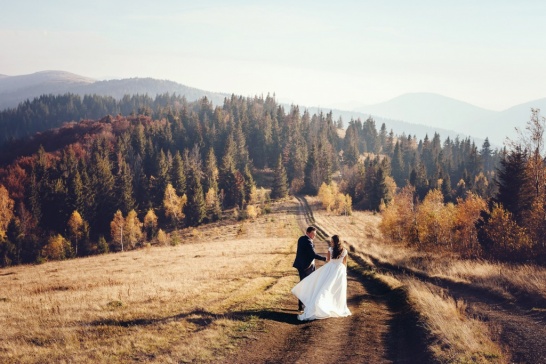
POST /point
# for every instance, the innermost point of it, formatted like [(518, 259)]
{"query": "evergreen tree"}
[(249, 183), (231, 181), (178, 174), (103, 190), (515, 190), (76, 192), (351, 154), (383, 139), (486, 155), (418, 179), (125, 188), (397, 166), (447, 189), (211, 172), (195, 210), (312, 180), (280, 182), (162, 175)]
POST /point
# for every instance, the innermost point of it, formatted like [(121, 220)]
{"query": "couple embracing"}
[(322, 292)]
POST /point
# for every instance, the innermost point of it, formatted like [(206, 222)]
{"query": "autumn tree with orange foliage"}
[(399, 218), (77, 229), (467, 214), (333, 200), (434, 220), (117, 229), (6, 210), (432, 224), (57, 248), (150, 223), (504, 238)]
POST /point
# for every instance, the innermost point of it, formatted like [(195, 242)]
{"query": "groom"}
[(305, 256)]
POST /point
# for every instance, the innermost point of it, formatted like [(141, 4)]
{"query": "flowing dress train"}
[(324, 292)]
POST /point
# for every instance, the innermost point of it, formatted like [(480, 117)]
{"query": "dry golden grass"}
[(457, 337), (360, 230), (184, 303)]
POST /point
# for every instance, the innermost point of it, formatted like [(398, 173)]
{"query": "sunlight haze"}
[(333, 55)]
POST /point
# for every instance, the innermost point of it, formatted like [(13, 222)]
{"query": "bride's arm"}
[(345, 259), (328, 256)]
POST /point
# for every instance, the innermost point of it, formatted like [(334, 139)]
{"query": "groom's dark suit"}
[(305, 256)]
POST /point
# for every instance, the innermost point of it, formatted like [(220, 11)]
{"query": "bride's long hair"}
[(337, 248)]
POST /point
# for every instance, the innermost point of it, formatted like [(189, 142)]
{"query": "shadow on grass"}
[(203, 318)]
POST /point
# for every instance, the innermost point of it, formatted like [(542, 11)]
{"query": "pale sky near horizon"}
[(329, 54)]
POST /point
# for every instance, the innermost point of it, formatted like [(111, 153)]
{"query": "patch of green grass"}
[(250, 323), (114, 304)]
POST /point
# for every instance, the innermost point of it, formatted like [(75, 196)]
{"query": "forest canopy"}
[(87, 175)]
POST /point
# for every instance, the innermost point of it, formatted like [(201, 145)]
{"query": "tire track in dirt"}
[(380, 329)]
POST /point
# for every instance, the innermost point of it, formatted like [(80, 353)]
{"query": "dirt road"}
[(377, 332), (380, 329)]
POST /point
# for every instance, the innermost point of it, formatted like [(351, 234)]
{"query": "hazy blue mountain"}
[(443, 112), (428, 109), (504, 123), (16, 89), (413, 114), (399, 127), (150, 86)]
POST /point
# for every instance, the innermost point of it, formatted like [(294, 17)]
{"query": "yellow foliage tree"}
[(399, 218), (133, 229), (6, 211), (150, 223), (333, 200), (117, 229), (162, 237), (56, 248), (173, 204), (344, 204), (434, 220), (252, 211), (467, 214), (326, 196), (507, 240), (76, 229)]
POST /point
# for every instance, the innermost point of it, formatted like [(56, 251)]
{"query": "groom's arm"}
[(314, 253)]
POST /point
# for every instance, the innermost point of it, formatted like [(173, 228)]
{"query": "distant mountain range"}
[(436, 110), (415, 114), (16, 89)]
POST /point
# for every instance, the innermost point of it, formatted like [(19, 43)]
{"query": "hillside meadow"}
[(169, 304)]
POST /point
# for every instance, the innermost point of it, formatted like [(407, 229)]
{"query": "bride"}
[(324, 292)]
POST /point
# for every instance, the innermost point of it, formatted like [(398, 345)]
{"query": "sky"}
[(331, 54)]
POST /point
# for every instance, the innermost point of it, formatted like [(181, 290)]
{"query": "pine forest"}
[(82, 176)]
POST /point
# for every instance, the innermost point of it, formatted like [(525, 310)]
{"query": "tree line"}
[(154, 165), (500, 219)]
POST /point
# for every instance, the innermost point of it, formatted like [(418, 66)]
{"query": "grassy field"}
[(185, 303), (199, 300)]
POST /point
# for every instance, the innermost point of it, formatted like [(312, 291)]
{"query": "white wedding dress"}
[(324, 292)]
